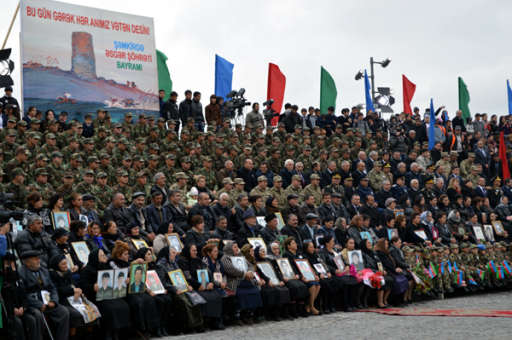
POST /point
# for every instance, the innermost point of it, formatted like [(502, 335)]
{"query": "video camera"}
[(7, 209), (236, 103)]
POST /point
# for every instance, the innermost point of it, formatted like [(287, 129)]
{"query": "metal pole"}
[(372, 78), (10, 26)]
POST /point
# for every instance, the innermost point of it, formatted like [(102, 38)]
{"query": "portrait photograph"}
[(280, 221), (139, 244), (137, 278), (174, 241), (120, 277), (261, 221), (105, 281), (69, 261), (365, 235), (320, 269), (81, 250), (479, 234), (61, 220), (267, 269), (286, 268), (84, 219), (392, 232), (355, 258), (305, 269), (498, 227), (218, 278), (153, 282), (202, 277), (489, 233), (239, 263), (338, 259), (421, 233), (45, 296), (256, 242), (178, 280)]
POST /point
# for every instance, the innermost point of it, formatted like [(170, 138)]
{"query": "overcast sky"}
[(432, 42)]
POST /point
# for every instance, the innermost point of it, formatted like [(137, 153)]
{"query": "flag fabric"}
[(408, 88), (506, 266), (275, 89), (328, 92), (505, 172), (472, 282), (164, 77), (431, 127), (223, 76), (464, 100), (481, 274), (509, 96), (455, 265), (367, 94), (442, 267), (491, 266), (499, 273), (449, 267), (432, 270)]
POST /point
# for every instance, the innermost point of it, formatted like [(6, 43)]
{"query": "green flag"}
[(164, 78), (464, 100), (328, 91)]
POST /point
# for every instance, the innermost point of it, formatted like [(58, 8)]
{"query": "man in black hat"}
[(310, 228), (139, 216), (42, 300), (249, 229)]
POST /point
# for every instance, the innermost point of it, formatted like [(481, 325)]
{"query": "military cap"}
[(141, 173), (311, 216), (41, 172), (278, 179), (228, 180), (248, 214), (102, 174), (292, 196), (407, 249), (364, 179), (138, 158), (153, 157), (129, 114), (22, 123), (314, 176), (239, 181), (190, 119), (18, 171), (297, 177), (76, 156), (88, 141), (35, 121), (88, 197), (171, 122), (151, 117), (170, 156), (122, 172), (349, 179), (138, 194), (387, 165), (127, 158), (142, 116), (122, 141), (103, 155), (474, 167), (186, 159), (11, 133), (181, 175), (336, 194), (262, 178), (307, 148), (30, 253), (471, 154), (68, 174), (36, 135), (89, 172), (464, 245), (207, 159), (454, 246)]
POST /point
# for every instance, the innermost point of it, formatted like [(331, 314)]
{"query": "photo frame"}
[(338, 260), (218, 278), (174, 241), (365, 235), (45, 296), (421, 233), (178, 280), (320, 269), (137, 278), (84, 219), (120, 285), (355, 258), (61, 219), (280, 221), (286, 268), (69, 261), (203, 277), (392, 232), (479, 234), (267, 270), (261, 221), (256, 241), (498, 227), (153, 283), (489, 233), (380, 267), (305, 269), (138, 244), (105, 281), (81, 250), (318, 239), (239, 263)]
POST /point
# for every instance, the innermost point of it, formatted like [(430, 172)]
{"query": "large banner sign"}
[(79, 59)]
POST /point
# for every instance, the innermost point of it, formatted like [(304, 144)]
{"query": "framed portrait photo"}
[(338, 259), (305, 269), (153, 283), (174, 241), (261, 221), (61, 220), (489, 233), (239, 263), (137, 279), (498, 227), (139, 244), (84, 219), (218, 278), (120, 285), (81, 251), (280, 221), (178, 280), (256, 242), (392, 232), (365, 235), (320, 269), (421, 233), (69, 261), (105, 281), (267, 269), (286, 268), (202, 277), (355, 258), (479, 234)]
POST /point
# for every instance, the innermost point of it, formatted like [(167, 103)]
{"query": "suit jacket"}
[(482, 156), (119, 215), (177, 215), (153, 218), (34, 283), (145, 226)]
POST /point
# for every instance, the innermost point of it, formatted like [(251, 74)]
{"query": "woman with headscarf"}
[(115, 314), (427, 221), (134, 234), (397, 254), (111, 234), (163, 301), (348, 283), (190, 264), (400, 283), (187, 317), (241, 283), (62, 279), (142, 305), (93, 238), (290, 252), (371, 261), (196, 234)]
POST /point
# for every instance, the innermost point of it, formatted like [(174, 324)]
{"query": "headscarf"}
[(55, 260), (423, 218), (257, 254), (163, 253), (246, 250), (364, 249), (452, 217), (94, 261)]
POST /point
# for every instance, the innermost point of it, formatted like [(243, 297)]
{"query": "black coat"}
[(33, 286), (170, 110), (178, 215), (154, 222), (121, 216), (42, 242)]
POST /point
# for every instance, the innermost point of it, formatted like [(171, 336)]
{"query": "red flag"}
[(409, 88), (503, 157), (275, 89)]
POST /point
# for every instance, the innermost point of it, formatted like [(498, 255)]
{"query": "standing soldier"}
[(313, 189)]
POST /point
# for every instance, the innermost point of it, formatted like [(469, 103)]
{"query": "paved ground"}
[(375, 326)]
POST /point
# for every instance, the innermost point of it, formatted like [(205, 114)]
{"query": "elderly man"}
[(35, 238), (202, 207), (42, 300), (160, 180), (139, 216), (118, 212)]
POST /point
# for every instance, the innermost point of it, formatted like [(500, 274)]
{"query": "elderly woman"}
[(241, 282), (371, 261)]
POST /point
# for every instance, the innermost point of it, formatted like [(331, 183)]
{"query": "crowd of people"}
[(245, 223)]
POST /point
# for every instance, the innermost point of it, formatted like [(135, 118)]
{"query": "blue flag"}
[(431, 128), (223, 76), (367, 93), (509, 95)]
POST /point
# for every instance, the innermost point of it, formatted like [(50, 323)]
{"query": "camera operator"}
[(254, 119), (35, 238), (269, 113)]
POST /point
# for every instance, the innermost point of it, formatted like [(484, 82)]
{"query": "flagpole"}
[(10, 26)]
